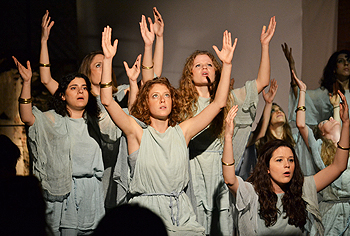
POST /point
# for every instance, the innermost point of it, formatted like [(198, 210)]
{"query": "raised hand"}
[(344, 108), (334, 99), (270, 95), (133, 72), (301, 84), (109, 50), (158, 26), (288, 54), (147, 35), (226, 54), (229, 127), (26, 73), (266, 35), (46, 26)]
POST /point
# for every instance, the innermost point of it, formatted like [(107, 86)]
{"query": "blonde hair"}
[(189, 94), (328, 148)]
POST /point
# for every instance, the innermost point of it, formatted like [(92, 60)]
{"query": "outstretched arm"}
[(133, 73), (148, 38), (195, 124), (300, 119), (289, 56), (25, 99), (327, 175), (158, 28), (263, 124), (264, 69), (228, 161), (45, 72), (127, 124)]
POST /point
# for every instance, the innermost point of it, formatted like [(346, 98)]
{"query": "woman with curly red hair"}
[(158, 152), (277, 198)]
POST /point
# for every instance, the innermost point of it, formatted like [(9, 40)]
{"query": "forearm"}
[(106, 93), (228, 170), (25, 109), (158, 56), (260, 131), (224, 86), (147, 64), (45, 72), (263, 78), (132, 93), (300, 116), (342, 156)]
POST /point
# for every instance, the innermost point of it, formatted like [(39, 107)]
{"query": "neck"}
[(203, 91), (75, 114), (277, 130), (344, 81), (276, 188), (95, 89), (160, 125)]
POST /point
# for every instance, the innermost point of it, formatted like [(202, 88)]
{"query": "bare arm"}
[(300, 118), (289, 56), (148, 38), (195, 124), (25, 109), (126, 123), (264, 69), (133, 73), (158, 28), (261, 128), (45, 72), (228, 167), (335, 101), (326, 176)]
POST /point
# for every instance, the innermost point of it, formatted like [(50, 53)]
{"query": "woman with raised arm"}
[(276, 198), (336, 76), (335, 205), (66, 150), (198, 85), (160, 173), (91, 66)]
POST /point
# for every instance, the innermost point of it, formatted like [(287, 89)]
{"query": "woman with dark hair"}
[(335, 205), (158, 152), (336, 75), (67, 156), (277, 199)]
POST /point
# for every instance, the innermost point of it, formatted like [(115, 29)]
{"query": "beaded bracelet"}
[(25, 100), (106, 85), (342, 148), (44, 65), (301, 108), (228, 164)]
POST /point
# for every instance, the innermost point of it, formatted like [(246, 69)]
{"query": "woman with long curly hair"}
[(336, 76), (198, 86), (277, 199), (159, 150), (66, 150), (335, 205)]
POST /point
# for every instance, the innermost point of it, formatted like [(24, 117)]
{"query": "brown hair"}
[(293, 204), (85, 68), (140, 108), (189, 94)]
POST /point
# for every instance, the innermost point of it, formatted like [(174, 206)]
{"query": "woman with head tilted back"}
[(277, 199), (67, 155), (160, 174), (335, 205), (336, 76), (198, 85)]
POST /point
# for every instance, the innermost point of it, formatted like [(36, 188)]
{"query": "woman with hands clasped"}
[(67, 157), (160, 174), (276, 197), (335, 205)]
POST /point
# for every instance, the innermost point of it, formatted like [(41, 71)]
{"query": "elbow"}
[(300, 125)]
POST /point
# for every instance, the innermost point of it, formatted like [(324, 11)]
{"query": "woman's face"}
[(159, 101), (96, 69), (277, 116), (329, 126), (202, 68), (342, 69), (282, 167), (76, 94)]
